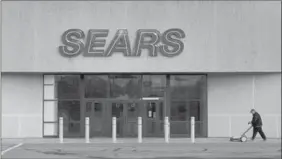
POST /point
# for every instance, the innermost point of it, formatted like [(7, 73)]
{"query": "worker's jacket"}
[(256, 121)]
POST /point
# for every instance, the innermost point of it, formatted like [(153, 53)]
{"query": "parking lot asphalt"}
[(147, 150)]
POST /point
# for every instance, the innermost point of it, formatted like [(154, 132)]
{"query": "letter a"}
[(120, 43)]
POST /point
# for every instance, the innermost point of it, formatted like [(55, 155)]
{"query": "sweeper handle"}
[(247, 130)]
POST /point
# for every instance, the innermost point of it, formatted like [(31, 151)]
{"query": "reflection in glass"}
[(178, 111), (68, 86), (153, 85), (70, 111), (125, 86), (132, 111), (117, 110), (131, 119), (154, 118), (94, 110), (195, 109), (97, 119), (186, 86), (151, 109), (96, 86)]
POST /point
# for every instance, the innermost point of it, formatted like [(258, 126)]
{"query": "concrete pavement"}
[(150, 149)]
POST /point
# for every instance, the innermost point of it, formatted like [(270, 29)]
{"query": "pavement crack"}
[(205, 149), (117, 149)]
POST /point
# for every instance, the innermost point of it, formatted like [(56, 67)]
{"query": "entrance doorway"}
[(153, 118), (127, 97), (126, 114), (100, 115)]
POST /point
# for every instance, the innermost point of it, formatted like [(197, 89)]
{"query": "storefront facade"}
[(127, 97), (137, 59)]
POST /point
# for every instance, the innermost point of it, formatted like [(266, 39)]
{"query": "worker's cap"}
[(252, 110)]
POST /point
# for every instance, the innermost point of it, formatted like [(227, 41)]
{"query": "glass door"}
[(127, 114), (132, 112), (70, 112), (154, 118), (97, 113)]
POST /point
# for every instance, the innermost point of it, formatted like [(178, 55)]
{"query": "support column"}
[(167, 99), (82, 105)]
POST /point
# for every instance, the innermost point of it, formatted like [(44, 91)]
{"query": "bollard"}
[(61, 129), (87, 130), (114, 129), (166, 129), (193, 129), (139, 129)]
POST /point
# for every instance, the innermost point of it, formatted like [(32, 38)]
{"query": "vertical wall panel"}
[(50, 111), (22, 105), (233, 95)]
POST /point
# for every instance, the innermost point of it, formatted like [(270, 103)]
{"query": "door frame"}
[(142, 112), (83, 114), (124, 121), (158, 120)]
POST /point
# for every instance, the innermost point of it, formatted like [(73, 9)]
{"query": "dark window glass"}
[(96, 86), (194, 107), (153, 85), (187, 86), (117, 110), (68, 86), (98, 107), (125, 86), (70, 111), (179, 111), (151, 109)]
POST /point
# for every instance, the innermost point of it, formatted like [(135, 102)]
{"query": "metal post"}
[(166, 127), (87, 128), (140, 129), (193, 129), (114, 129), (61, 129)]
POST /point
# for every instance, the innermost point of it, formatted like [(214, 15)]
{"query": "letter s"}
[(73, 45), (176, 44)]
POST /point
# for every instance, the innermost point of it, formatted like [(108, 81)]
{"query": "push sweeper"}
[(243, 137)]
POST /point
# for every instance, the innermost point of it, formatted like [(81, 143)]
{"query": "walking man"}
[(257, 125)]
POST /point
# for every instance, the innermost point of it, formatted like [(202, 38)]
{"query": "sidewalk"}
[(125, 140), (151, 148)]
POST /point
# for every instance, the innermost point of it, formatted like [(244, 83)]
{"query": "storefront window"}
[(153, 85), (125, 86), (96, 86), (179, 111), (70, 111), (187, 100), (186, 86), (68, 86)]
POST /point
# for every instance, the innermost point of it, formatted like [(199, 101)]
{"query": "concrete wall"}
[(243, 36), (230, 98), (22, 98)]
